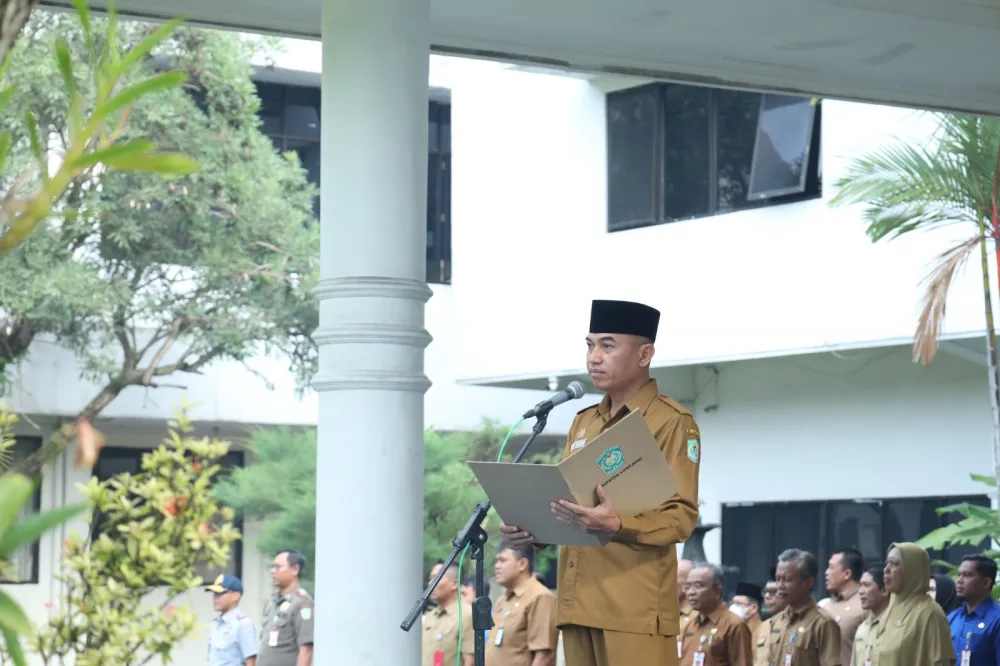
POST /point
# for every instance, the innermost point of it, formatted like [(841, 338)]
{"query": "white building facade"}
[(784, 329)]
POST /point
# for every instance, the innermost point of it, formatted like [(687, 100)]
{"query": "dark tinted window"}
[(686, 163), (784, 136), (633, 129)]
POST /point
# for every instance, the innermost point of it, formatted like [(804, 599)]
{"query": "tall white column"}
[(371, 338)]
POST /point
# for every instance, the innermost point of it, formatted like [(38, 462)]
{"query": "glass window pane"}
[(748, 542), (856, 525), (632, 133), (781, 155), (686, 162), (736, 131), (272, 102), (797, 525), (302, 112), (908, 520)]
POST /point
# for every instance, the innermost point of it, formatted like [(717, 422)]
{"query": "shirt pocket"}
[(222, 639)]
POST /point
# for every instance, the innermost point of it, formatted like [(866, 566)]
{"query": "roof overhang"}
[(936, 54)]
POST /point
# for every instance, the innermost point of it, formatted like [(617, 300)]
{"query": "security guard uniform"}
[(288, 625), (232, 639)]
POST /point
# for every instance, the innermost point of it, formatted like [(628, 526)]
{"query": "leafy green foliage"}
[(141, 276), (93, 130), (278, 488), (152, 531), (15, 492)]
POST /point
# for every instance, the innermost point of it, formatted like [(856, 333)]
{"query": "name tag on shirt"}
[(966, 657), (272, 639), (499, 639), (699, 658)]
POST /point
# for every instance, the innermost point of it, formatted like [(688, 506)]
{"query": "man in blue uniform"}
[(233, 639), (975, 625)]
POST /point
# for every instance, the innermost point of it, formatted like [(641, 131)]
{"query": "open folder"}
[(625, 459)]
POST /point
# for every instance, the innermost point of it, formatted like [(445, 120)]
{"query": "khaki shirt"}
[(867, 630), (524, 622), (288, 624), (441, 633), (761, 642), (848, 613), (810, 635), (629, 584), (684, 614), (721, 635), (753, 624)]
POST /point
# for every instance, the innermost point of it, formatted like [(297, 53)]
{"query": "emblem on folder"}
[(611, 460)]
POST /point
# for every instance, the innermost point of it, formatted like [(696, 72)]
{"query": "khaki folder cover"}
[(625, 459)]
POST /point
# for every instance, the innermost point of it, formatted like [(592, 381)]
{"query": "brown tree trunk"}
[(13, 15)]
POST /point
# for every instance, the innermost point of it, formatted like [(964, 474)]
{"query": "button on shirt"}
[(629, 585), (232, 639), (983, 624)]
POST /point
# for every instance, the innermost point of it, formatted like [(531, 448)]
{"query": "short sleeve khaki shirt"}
[(441, 633), (629, 585), (811, 637), (287, 625), (721, 635), (524, 622), (761, 643), (848, 614)]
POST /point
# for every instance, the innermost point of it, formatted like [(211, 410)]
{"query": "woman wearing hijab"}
[(914, 630), (944, 593)]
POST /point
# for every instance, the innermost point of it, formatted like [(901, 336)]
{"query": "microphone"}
[(571, 392)]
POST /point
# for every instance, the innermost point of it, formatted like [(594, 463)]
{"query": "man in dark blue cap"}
[(617, 605), (233, 639)]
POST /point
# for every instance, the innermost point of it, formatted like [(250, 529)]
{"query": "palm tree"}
[(954, 178)]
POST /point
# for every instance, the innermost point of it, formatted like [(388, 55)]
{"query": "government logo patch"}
[(611, 460), (694, 450)]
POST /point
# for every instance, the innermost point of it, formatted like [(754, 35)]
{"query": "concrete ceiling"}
[(922, 53)]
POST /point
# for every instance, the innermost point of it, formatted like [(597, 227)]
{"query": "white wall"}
[(529, 208), (870, 425)]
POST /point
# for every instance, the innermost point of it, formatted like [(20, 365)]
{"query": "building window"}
[(753, 535), (22, 567), (129, 461), (290, 116), (678, 152)]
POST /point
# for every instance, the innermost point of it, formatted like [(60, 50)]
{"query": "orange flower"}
[(204, 529), (89, 442)]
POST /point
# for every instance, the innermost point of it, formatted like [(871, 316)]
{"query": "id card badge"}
[(499, 639), (438, 658), (272, 638), (966, 657), (680, 649), (788, 659), (868, 661), (699, 658)]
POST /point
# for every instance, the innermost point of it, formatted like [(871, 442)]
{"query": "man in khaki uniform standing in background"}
[(286, 634), (714, 636), (773, 604), (524, 619), (802, 634), (617, 605), (440, 625), (843, 581)]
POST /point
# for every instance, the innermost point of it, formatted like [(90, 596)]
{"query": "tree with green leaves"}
[(953, 178), (149, 279), (278, 488)]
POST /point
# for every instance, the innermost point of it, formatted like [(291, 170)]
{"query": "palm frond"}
[(938, 282)]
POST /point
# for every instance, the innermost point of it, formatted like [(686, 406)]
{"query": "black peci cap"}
[(749, 590), (624, 317)]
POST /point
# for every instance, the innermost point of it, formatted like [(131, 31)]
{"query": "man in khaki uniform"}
[(875, 600), (843, 580), (286, 634), (746, 604), (617, 605), (440, 634), (524, 619), (773, 604), (714, 636), (802, 634)]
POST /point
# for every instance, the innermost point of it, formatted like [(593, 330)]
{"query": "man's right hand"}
[(515, 537)]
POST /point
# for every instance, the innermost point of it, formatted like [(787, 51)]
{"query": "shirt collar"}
[(639, 402), (519, 589), (447, 610), (981, 610), (713, 616), (229, 615), (802, 612), (848, 597)]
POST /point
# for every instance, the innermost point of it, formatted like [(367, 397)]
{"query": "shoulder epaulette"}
[(587, 409), (303, 593), (681, 409)]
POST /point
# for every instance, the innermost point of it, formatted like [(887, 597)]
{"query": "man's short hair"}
[(805, 562), (717, 577), (295, 559), (877, 572), (471, 582), (854, 562), (523, 553), (985, 566)]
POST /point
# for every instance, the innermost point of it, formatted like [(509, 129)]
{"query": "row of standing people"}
[(892, 614)]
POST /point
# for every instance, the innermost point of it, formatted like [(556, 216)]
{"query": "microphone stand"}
[(474, 536)]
